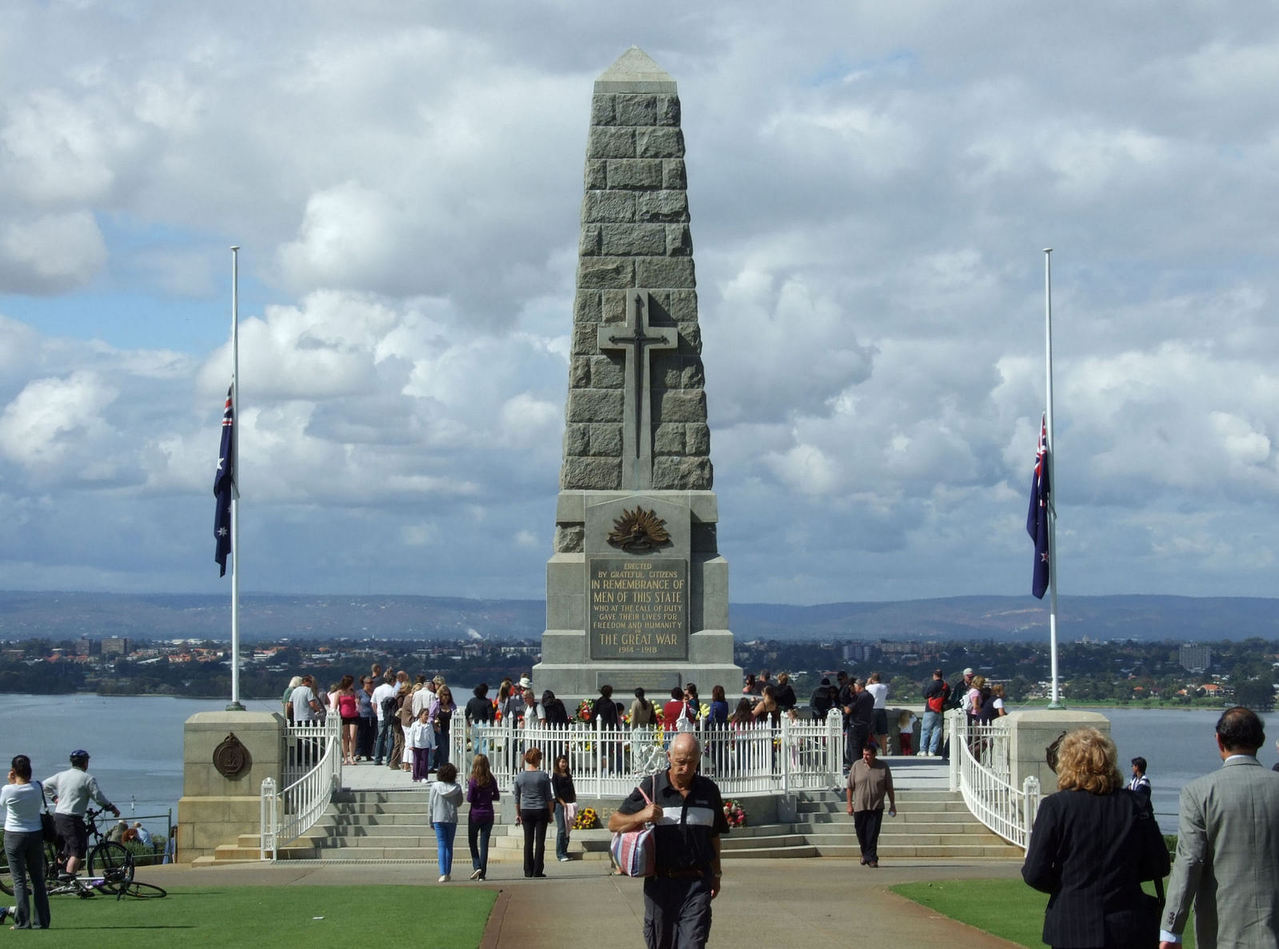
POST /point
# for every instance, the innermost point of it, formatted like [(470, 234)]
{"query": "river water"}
[(136, 744)]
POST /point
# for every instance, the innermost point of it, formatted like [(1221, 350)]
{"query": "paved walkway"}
[(765, 902)]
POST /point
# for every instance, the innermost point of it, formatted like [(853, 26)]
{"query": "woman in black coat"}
[(1091, 846)]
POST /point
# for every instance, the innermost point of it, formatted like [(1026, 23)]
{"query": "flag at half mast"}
[(224, 487), (1037, 515)]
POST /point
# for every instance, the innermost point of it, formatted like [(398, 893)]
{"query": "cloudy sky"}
[(871, 185)]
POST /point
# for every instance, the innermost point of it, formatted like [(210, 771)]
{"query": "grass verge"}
[(451, 917), (1004, 908)]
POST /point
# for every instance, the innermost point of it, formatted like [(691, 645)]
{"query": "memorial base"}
[(215, 809), (573, 681), (610, 608)]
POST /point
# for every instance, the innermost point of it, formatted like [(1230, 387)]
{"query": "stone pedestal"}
[(655, 619), (1033, 730), (215, 809)]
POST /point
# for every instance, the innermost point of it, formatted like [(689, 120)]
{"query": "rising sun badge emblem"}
[(639, 531)]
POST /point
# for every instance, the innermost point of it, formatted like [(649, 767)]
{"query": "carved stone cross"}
[(633, 337)]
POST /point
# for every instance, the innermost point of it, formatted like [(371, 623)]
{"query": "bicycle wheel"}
[(144, 891), (113, 863), (50, 868)]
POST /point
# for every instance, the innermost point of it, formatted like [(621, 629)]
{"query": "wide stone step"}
[(907, 851), (809, 810), (891, 826)]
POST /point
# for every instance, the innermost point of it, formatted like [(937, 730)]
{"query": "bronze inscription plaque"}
[(638, 609)]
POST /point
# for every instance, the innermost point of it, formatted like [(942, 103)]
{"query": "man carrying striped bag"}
[(688, 817)]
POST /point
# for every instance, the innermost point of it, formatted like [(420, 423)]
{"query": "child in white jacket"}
[(446, 795), (421, 740)]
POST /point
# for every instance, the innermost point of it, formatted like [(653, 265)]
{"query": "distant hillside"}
[(61, 616), (1209, 619)]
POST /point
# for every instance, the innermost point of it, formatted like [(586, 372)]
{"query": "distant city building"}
[(899, 649), (115, 646), (1195, 658), (858, 652)]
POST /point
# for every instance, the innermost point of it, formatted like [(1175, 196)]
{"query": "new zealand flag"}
[(224, 487), (1037, 516)]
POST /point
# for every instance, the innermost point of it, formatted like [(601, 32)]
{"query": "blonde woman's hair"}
[(978, 682), (481, 773), (1087, 761)]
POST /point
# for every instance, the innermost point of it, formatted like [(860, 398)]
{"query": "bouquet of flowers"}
[(734, 813), (584, 710), (586, 819)]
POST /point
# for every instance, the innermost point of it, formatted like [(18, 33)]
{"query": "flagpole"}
[(234, 705), (1052, 478)]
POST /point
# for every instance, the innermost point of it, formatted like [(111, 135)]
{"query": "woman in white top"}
[(21, 801)]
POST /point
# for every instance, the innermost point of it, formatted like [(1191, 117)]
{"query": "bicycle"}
[(109, 867)]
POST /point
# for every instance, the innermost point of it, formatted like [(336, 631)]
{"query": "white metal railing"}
[(312, 769), (744, 760), (981, 769)]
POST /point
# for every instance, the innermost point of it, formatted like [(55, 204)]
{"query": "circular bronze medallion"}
[(231, 758)]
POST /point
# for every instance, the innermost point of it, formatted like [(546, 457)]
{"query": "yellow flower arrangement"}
[(586, 819)]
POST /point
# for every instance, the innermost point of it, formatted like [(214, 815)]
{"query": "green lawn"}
[(1005, 908), (437, 916)]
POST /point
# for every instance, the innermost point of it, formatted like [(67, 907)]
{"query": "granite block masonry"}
[(636, 591)]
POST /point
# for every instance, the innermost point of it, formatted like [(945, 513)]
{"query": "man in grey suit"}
[(1228, 847)]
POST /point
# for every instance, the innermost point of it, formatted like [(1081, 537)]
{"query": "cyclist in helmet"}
[(73, 789)]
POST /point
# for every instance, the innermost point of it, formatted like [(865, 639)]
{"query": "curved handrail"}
[(982, 763), (314, 766)]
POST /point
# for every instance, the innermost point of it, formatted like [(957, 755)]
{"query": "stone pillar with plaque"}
[(636, 591)]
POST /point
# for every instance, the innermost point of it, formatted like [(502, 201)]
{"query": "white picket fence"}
[(313, 768), (981, 769), (744, 760)]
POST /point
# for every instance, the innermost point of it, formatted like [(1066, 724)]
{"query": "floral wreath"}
[(734, 813)]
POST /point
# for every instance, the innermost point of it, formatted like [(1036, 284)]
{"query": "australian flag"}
[(1037, 516), (224, 487)]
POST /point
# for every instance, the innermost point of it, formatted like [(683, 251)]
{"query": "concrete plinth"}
[(214, 809), (1034, 730)]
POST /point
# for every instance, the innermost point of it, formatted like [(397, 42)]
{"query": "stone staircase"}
[(381, 826), (930, 824)]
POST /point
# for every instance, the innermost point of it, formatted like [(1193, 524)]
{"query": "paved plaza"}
[(772, 902)]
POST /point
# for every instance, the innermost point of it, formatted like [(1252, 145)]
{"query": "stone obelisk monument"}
[(636, 591)]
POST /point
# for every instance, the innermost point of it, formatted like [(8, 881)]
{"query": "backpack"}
[(937, 703), (389, 706)]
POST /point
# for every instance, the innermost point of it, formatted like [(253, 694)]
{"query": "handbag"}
[(570, 813), (635, 851)]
